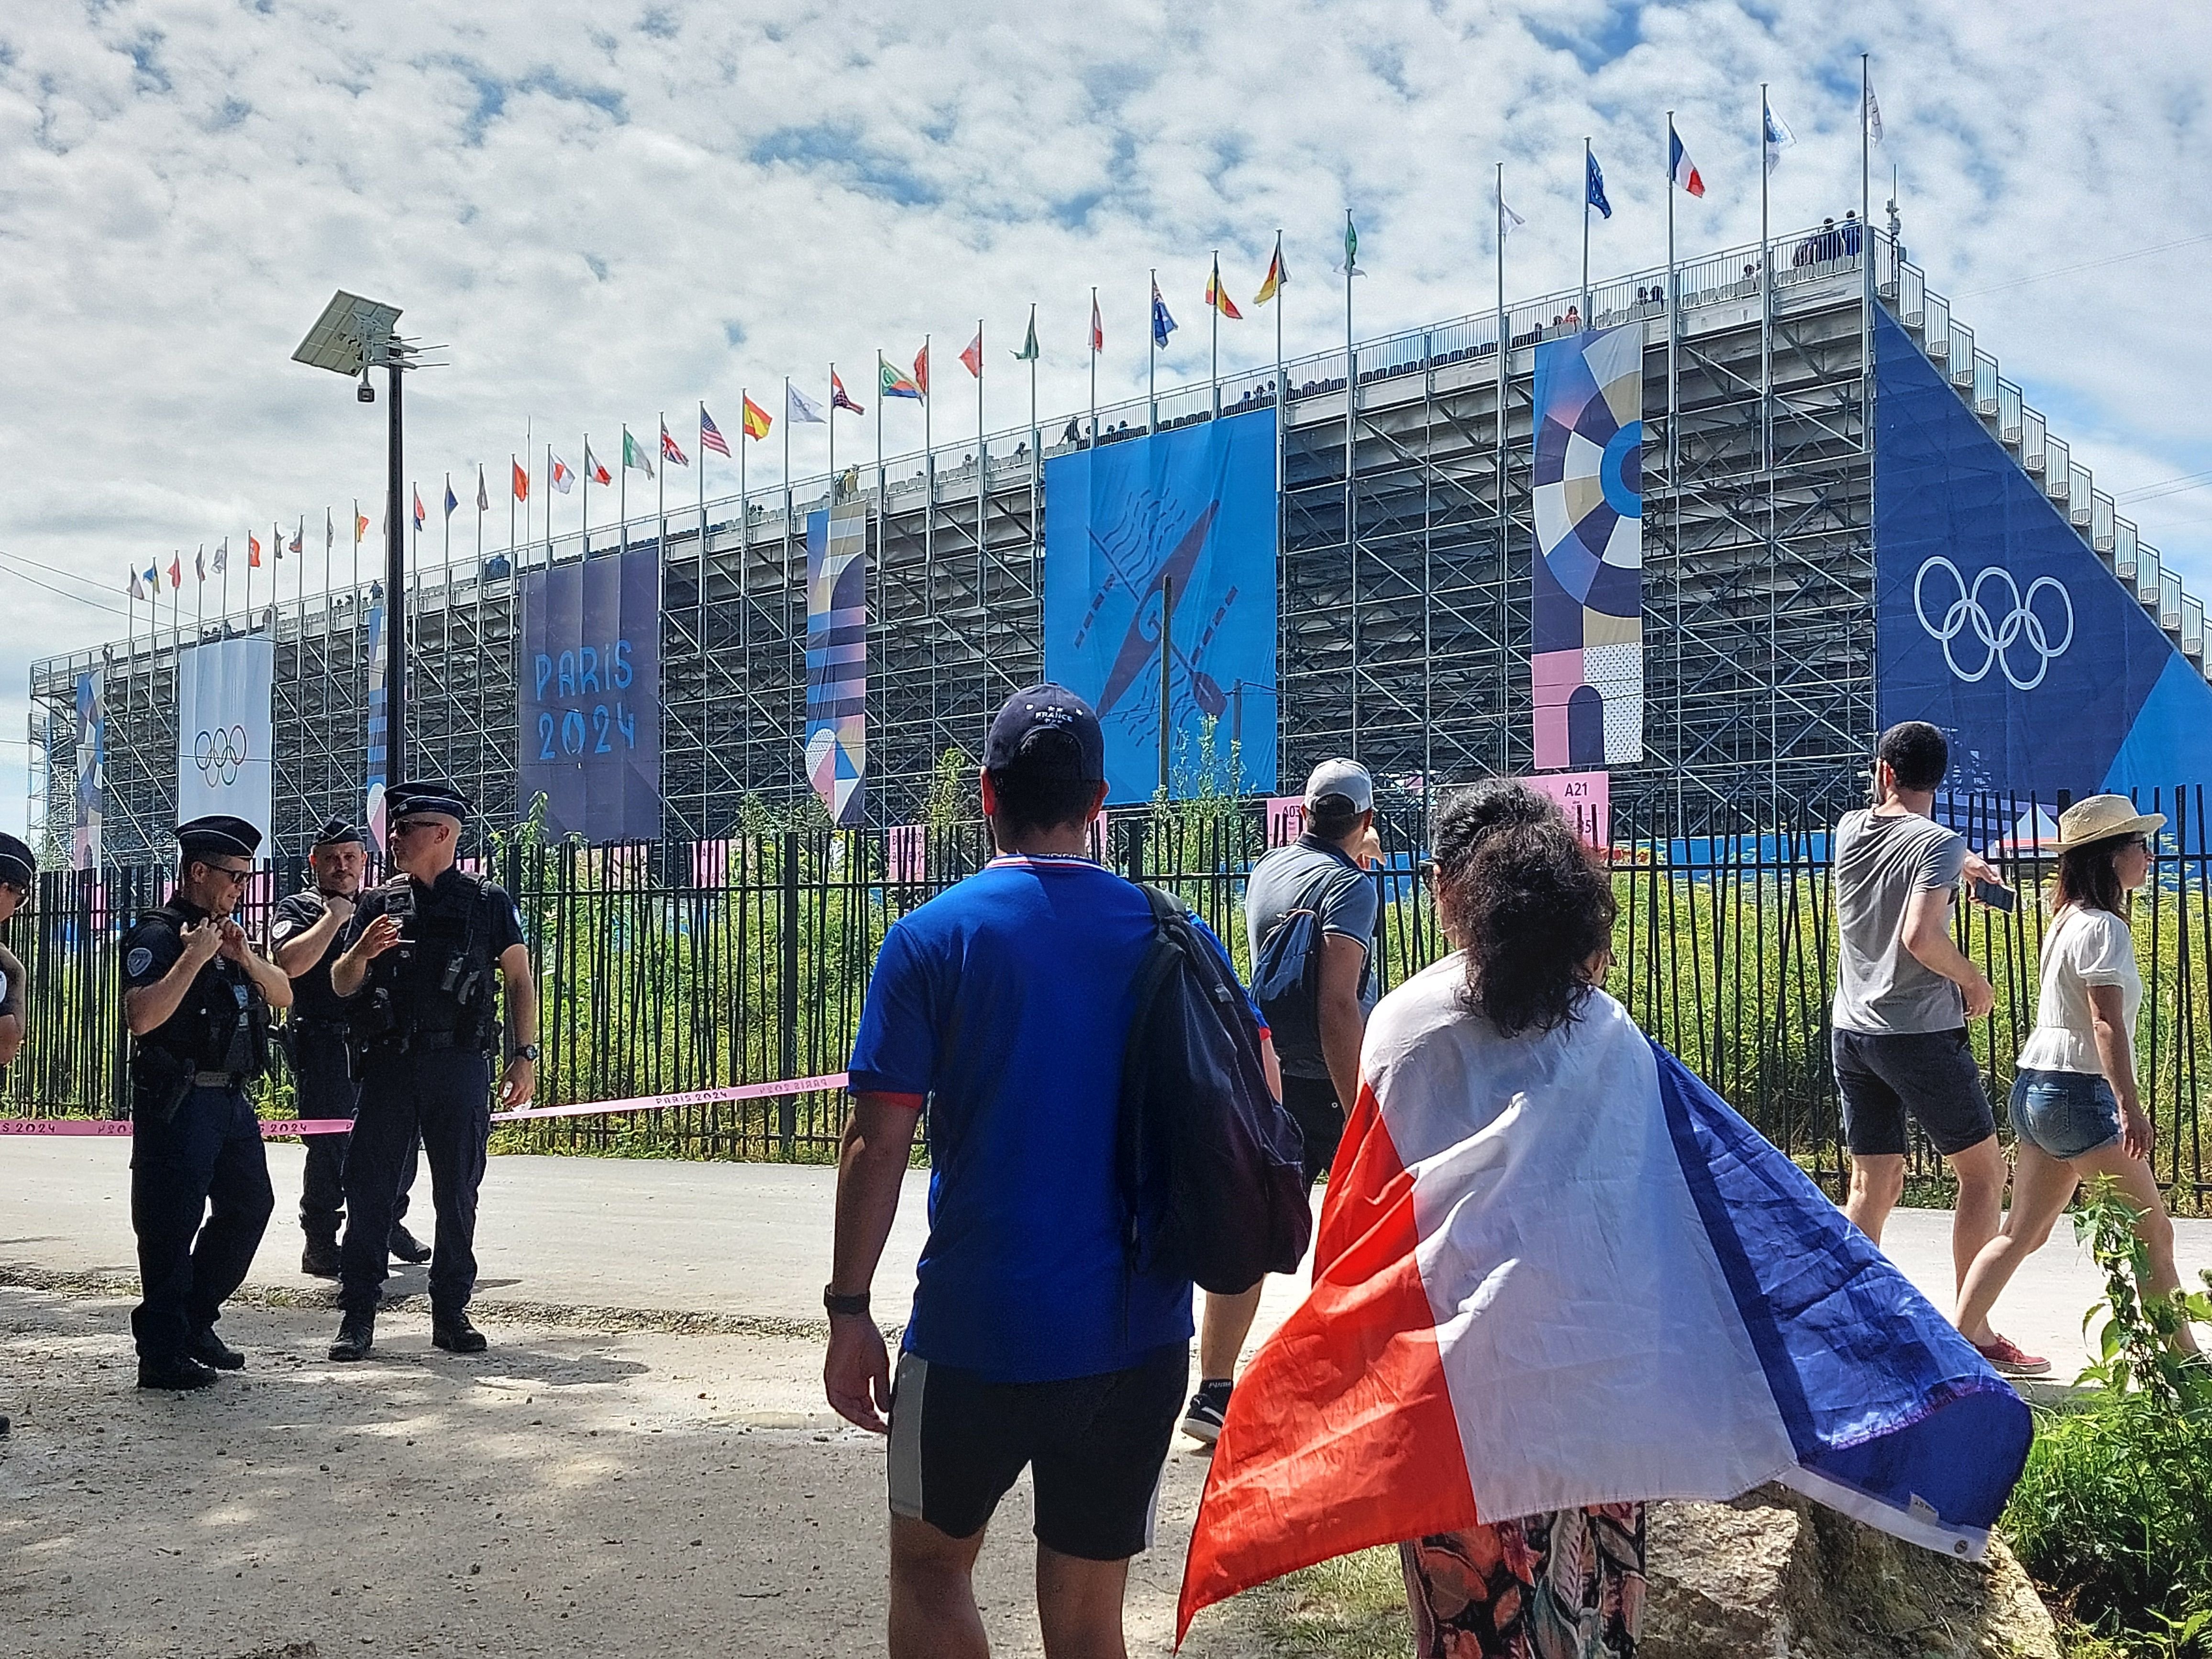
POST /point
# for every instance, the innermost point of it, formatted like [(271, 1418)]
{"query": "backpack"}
[(1286, 972), (1206, 1159)]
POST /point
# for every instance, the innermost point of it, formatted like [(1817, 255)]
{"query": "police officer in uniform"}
[(417, 968), (196, 999), (18, 870), (304, 937)]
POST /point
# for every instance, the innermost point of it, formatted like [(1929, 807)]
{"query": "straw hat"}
[(2100, 817)]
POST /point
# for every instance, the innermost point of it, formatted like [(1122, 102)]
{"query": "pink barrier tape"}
[(274, 1129), (798, 1085)]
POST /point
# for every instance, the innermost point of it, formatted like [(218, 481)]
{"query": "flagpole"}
[(622, 489), (829, 416), (699, 626), (1278, 358), (1351, 449), (1497, 460), (1765, 294), (660, 499), (446, 625), (1152, 357), (1094, 365), (529, 443), (249, 581), (588, 501), (515, 572), (1213, 308), (1866, 250), (1035, 446), (1586, 208), (787, 476), (1674, 448), (929, 491), (225, 552), (513, 550), (982, 470)]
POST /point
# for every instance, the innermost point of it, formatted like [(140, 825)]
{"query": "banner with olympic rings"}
[(226, 736)]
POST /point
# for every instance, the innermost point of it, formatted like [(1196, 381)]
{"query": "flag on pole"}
[(669, 451), (1217, 296), (1163, 324), (595, 470), (296, 534), (803, 410), (1278, 274), (837, 398), (753, 420), (1594, 188), (484, 495), (420, 513), (330, 530), (1558, 1270), (199, 562), (1350, 265), (153, 580), (452, 500), (1778, 137), (1682, 169), (1511, 221), (635, 458), (972, 358), (253, 545), (222, 557), (562, 477), (1873, 114), (177, 571), (134, 590), (1028, 354), (1097, 328), (360, 526), (892, 383), (710, 436), (921, 370)]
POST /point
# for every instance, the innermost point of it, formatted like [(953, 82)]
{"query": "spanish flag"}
[(1276, 275), (757, 420), (1217, 296)]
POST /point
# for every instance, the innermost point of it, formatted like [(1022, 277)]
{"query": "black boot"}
[(210, 1349), (320, 1259), (175, 1372), (405, 1247), (356, 1336), (454, 1332)]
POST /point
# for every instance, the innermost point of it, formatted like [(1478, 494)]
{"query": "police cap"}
[(407, 799), (218, 835), (336, 832), (17, 867)]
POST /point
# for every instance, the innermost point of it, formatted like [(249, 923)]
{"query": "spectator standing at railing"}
[(18, 870), (1904, 994), (2074, 1110), (1851, 237)]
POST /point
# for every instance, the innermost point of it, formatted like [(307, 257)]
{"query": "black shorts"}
[(1930, 1074), (1094, 1447), (1313, 1103)]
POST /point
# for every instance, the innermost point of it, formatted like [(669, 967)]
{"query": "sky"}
[(606, 211)]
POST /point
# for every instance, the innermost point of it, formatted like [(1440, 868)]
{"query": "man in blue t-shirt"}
[(1004, 1004)]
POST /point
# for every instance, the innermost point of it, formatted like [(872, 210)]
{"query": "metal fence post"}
[(788, 1108)]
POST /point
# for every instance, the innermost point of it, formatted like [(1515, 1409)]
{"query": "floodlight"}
[(351, 334)]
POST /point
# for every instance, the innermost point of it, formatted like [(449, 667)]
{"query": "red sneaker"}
[(2007, 1359)]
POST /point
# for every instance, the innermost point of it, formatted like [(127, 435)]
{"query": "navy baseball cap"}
[(1018, 735), (17, 865)]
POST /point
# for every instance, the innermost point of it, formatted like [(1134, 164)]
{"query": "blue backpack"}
[(1286, 972)]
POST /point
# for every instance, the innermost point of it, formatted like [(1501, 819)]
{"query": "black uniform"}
[(325, 1073), (425, 1029), (196, 1145)]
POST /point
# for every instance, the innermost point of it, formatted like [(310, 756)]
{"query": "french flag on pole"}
[(1678, 165), (1556, 1271)]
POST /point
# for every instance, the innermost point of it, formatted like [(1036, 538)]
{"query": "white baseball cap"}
[(1345, 778)]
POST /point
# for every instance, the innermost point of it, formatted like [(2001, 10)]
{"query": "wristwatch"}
[(528, 1051), (845, 1305)]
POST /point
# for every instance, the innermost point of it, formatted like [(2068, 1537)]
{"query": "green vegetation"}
[(2113, 1516)]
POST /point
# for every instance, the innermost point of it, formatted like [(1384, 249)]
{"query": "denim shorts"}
[(2064, 1114)]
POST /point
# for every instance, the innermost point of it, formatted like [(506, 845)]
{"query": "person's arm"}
[(299, 952), (351, 969), (1343, 1022), (1927, 935), (274, 983), (519, 1080), (872, 1168), (11, 1006), (2116, 1055), (149, 1007)]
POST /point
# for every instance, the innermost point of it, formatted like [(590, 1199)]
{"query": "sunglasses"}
[(236, 878), (409, 826)]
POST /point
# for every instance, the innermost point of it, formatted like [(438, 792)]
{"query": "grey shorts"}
[(1928, 1075)]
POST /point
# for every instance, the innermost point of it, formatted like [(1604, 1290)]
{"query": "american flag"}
[(710, 436)]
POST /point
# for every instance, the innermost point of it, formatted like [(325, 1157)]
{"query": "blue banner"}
[(1994, 622), (1173, 534), (588, 692)]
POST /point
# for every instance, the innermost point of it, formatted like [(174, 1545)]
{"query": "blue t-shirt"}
[(1006, 1000)]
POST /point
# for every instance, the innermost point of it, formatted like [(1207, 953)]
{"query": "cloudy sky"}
[(609, 210)]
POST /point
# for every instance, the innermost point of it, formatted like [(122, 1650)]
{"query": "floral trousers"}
[(1565, 1585)]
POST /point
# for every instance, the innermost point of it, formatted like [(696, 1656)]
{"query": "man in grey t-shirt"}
[(1904, 994)]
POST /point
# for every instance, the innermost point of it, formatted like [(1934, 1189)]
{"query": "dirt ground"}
[(568, 1492)]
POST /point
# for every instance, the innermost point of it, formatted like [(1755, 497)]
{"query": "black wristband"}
[(854, 1305)]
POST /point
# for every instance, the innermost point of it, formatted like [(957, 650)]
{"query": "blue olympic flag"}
[(588, 696), (1171, 534)]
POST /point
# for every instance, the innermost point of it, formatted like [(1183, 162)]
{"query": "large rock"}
[(1773, 1576)]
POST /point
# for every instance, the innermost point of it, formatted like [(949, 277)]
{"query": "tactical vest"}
[(435, 989), (214, 1028)]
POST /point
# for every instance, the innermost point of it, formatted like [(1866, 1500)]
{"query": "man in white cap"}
[(1316, 1027)]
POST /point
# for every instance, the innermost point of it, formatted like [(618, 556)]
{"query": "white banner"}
[(226, 736)]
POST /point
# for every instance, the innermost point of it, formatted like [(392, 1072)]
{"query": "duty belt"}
[(423, 1042), (214, 1080)]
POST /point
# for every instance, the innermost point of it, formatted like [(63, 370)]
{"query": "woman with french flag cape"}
[(1556, 1277)]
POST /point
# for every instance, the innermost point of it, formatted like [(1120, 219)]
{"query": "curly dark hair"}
[(1524, 899)]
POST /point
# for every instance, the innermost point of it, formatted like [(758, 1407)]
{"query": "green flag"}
[(1350, 246), (1028, 354)]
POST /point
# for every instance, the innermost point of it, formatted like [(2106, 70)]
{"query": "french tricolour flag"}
[(1559, 1271), (1679, 164)]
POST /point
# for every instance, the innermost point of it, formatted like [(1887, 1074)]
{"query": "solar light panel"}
[(350, 332)]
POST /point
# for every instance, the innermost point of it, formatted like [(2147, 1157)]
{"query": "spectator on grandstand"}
[(1904, 994), (1574, 319), (1006, 1003), (1323, 874), (2074, 1110), (1848, 237)]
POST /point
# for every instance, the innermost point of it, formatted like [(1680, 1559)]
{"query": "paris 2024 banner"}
[(1166, 543), (588, 695)]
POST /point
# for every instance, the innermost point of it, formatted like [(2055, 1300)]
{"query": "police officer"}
[(197, 998), (18, 869), (304, 935), (417, 967)]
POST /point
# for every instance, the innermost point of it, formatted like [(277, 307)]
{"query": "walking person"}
[(421, 955), (2075, 1112), (1006, 1003), (19, 869), (196, 999), (1316, 1028), (1904, 994), (304, 936)]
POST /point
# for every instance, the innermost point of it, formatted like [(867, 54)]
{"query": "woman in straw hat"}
[(2074, 1110)]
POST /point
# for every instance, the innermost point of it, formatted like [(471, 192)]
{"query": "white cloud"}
[(610, 211)]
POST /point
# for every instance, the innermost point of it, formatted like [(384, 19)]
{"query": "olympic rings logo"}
[(219, 753), (2019, 626)]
